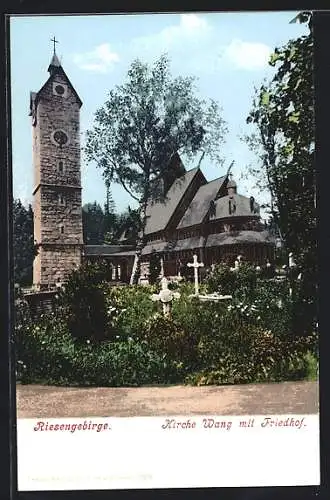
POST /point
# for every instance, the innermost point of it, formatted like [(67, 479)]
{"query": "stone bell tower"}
[(55, 112)]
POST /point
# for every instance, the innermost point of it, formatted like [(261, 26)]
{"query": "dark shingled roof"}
[(161, 246), (220, 239), (159, 213), (242, 207), (189, 243), (200, 205), (104, 250)]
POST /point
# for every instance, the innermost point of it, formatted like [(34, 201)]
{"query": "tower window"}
[(60, 89), (61, 228), (60, 167), (61, 199)]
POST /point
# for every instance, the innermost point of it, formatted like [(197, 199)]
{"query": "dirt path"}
[(34, 401)]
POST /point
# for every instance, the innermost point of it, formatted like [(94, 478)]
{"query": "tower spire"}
[(55, 62)]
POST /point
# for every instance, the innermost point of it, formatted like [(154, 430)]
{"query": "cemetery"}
[(237, 325)]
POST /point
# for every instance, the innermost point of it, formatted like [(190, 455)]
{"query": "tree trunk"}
[(136, 270)]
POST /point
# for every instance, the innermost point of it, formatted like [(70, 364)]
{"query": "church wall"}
[(54, 214), (55, 263)]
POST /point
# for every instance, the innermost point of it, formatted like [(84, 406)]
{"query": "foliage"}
[(248, 339), (167, 338), (154, 268), (127, 226), (82, 302), (240, 282), (24, 248), (283, 116), (131, 306), (47, 353), (144, 124), (253, 355)]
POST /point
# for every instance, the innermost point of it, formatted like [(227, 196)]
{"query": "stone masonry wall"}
[(57, 192)]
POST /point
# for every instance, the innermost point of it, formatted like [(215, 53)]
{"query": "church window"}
[(61, 199), (59, 89), (62, 228), (60, 167)]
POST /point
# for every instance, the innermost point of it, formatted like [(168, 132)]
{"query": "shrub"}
[(82, 303), (255, 355), (128, 309), (47, 353), (44, 352), (241, 282), (167, 338)]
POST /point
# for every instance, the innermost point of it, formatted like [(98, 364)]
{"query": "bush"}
[(241, 282), (253, 356), (48, 354), (168, 339), (83, 305), (129, 308)]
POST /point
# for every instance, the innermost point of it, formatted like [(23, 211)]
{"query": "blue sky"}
[(227, 52)]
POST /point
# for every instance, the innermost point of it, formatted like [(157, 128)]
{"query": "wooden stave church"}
[(195, 216)]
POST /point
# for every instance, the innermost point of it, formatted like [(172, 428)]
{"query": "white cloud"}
[(100, 60), (191, 28), (247, 55)]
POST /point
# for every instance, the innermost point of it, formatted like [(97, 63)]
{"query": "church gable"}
[(161, 213), (200, 205), (57, 87)]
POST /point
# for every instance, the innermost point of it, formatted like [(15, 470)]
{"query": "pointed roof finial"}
[(55, 62), (54, 41)]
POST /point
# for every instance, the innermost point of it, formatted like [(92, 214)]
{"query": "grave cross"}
[(165, 296), (195, 264)]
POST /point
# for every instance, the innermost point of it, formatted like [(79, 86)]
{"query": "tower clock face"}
[(60, 137)]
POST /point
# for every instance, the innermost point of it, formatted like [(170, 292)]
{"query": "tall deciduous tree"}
[(23, 243), (143, 123), (283, 114)]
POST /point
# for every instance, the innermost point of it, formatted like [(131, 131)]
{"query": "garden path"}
[(36, 401)]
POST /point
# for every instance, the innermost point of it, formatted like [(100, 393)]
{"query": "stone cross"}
[(195, 264), (165, 296)]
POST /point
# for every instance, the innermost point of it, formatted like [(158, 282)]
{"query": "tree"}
[(23, 243), (126, 227), (93, 224), (283, 114), (143, 124), (110, 218)]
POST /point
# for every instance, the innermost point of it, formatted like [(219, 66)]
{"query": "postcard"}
[(165, 253)]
